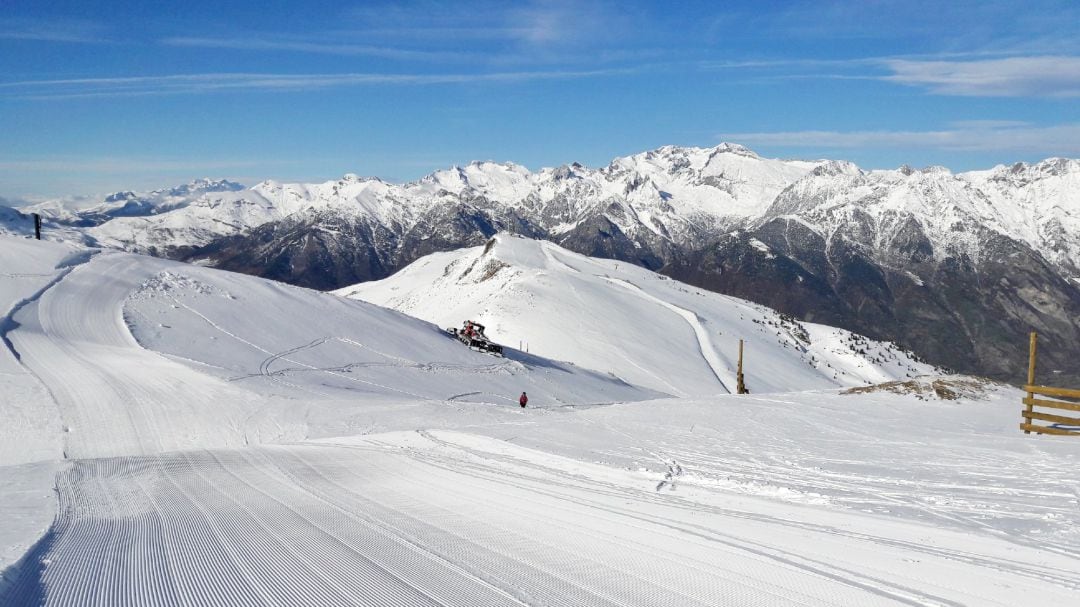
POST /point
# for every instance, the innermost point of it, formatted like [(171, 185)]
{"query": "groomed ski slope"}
[(140, 355), (591, 512), (619, 318), (271, 363), (394, 473)]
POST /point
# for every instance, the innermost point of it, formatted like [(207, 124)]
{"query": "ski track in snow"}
[(708, 352), (113, 395), (583, 329), (430, 521)]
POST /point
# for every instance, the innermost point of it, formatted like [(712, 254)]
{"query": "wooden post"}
[(1032, 347), (740, 385), (37, 226)]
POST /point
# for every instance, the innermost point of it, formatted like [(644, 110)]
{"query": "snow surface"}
[(230, 441), (639, 325)]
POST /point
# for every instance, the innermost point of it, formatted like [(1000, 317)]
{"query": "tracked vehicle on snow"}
[(472, 335)]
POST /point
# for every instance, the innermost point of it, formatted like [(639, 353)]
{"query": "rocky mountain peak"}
[(734, 148), (936, 170), (836, 168), (1057, 166), (203, 184), (120, 196)]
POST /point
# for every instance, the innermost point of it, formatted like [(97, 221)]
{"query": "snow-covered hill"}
[(619, 318), (196, 437), (130, 346)]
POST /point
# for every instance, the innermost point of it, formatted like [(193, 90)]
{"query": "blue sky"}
[(101, 96)]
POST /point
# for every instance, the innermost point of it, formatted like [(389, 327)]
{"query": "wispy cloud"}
[(982, 136), (540, 23), (1031, 27), (971, 74), (210, 83), (54, 30), (13, 201), (285, 44), (1044, 76), (548, 32), (122, 165)]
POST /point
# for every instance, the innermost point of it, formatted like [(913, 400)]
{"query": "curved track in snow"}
[(705, 346), (114, 396)]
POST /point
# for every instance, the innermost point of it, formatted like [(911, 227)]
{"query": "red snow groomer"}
[(472, 335)]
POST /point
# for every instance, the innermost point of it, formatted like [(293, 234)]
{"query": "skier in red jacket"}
[(523, 400)]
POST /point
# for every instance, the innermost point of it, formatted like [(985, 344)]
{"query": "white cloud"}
[(1042, 76), (988, 124), (209, 83), (53, 30), (969, 74), (538, 32), (278, 43), (120, 165), (533, 23), (1016, 137)]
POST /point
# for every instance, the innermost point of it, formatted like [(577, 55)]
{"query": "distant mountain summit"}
[(959, 267)]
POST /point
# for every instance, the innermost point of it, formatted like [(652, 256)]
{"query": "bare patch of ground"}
[(935, 387)]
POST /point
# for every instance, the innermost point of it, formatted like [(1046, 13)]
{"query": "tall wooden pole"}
[(1032, 347), (740, 385)]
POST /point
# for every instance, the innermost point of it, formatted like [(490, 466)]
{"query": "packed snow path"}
[(719, 368), (452, 519), (114, 396)]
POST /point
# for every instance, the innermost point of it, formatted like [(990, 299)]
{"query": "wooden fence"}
[(1059, 399)]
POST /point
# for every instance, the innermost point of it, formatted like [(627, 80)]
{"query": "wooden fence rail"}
[(1062, 399)]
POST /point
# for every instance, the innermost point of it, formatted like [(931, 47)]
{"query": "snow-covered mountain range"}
[(642, 326), (956, 266), (671, 193)]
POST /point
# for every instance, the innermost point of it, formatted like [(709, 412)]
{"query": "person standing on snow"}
[(523, 400)]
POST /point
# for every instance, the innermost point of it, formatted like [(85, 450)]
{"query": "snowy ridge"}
[(86, 210), (619, 318), (1038, 205), (663, 190), (113, 335), (178, 435), (674, 194)]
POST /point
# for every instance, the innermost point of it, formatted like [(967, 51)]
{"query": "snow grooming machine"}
[(472, 335)]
